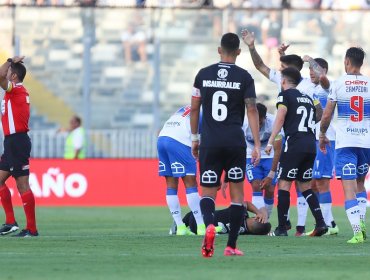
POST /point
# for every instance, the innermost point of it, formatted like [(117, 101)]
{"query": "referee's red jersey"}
[(15, 109)]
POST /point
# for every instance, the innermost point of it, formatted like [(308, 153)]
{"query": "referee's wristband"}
[(271, 174), (195, 137)]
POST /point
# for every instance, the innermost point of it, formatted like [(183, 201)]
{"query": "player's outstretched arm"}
[(282, 48), (248, 38)]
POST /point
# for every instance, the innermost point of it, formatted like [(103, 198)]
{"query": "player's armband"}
[(196, 92), (281, 105), (316, 102)]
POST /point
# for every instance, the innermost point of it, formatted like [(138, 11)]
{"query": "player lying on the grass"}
[(257, 225)]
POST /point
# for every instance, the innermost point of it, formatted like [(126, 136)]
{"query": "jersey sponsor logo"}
[(172, 124), (222, 73), (280, 99), (177, 168), (349, 169), (235, 173), (221, 84), (161, 167), (355, 82), (209, 177), (357, 131)]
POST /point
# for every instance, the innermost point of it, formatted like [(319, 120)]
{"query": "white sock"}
[(302, 207), (362, 203), (173, 204), (269, 205), (193, 200), (353, 214), (327, 213), (257, 200)]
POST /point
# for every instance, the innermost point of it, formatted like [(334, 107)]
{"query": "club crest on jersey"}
[(222, 73)]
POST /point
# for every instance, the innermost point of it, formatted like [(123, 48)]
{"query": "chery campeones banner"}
[(107, 182)]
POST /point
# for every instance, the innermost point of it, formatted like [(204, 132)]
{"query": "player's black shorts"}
[(296, 166), (17, 151), (212, 161)]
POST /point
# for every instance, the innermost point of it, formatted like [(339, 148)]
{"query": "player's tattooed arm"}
[(248, 38), (319, 71), (319, 110), (258, 62), (314, 65)]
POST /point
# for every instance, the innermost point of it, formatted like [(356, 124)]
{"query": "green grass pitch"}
[(133, 243)]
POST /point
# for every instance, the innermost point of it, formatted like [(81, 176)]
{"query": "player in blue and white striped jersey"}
[(176, 161), (351, 94)]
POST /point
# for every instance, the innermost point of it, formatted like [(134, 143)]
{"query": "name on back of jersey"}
[(221, 84), (304, 100)]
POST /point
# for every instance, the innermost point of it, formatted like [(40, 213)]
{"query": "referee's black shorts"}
[(17, 152)]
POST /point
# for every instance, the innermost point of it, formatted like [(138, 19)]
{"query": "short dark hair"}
[(292, 75), (292, 60), (19, 69), (262, 110), (356, 55), (230, 42), (261, 228), (77, 119), (322, 62)]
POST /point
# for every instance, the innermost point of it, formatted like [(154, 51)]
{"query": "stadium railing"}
[(108, 143)]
